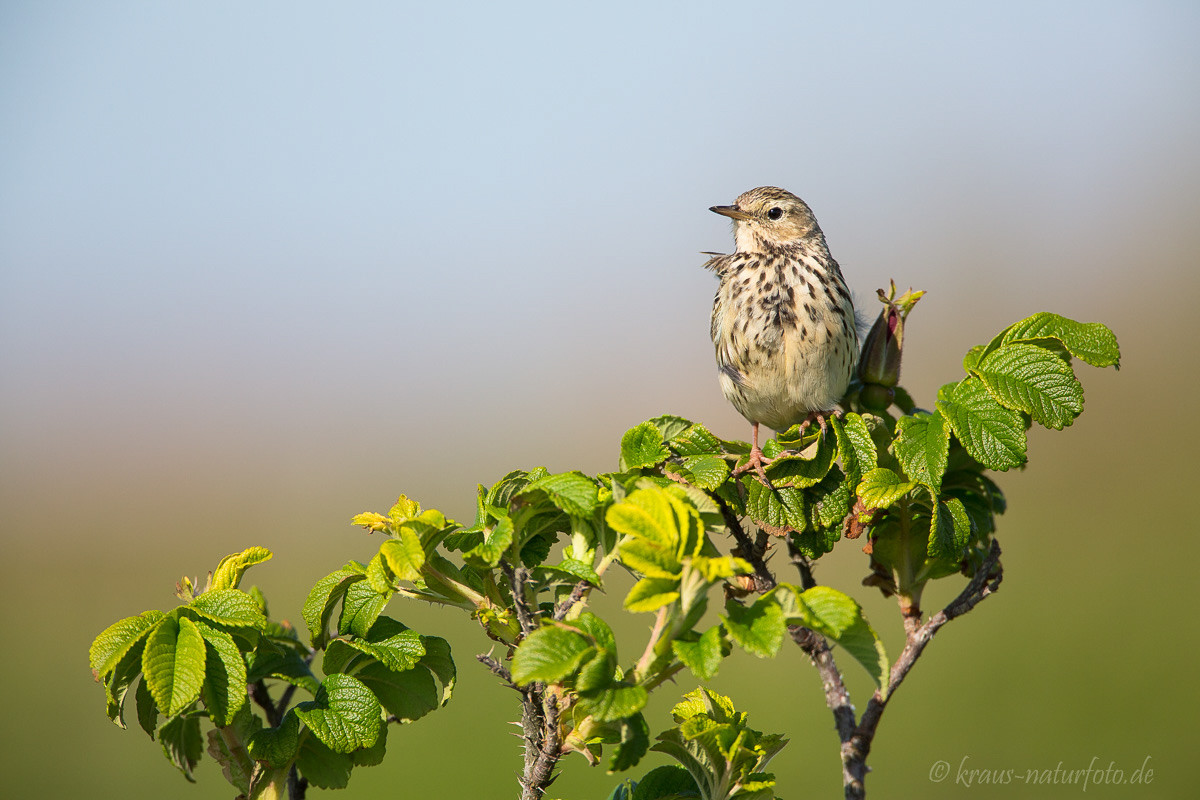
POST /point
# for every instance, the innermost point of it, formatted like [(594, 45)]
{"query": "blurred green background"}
[(262, 268)]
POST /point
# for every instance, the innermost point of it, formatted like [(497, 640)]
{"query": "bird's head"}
[(769, 217)]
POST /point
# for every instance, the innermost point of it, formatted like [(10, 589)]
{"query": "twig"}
[(564, 608), (517, 579), (764, 581), (497, 669)]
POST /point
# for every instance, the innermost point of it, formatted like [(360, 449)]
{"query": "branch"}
[(764, 581), (539, 771), (564, 608), (517, 579)]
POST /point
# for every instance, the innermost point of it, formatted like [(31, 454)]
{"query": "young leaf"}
[(324, 597), (345, 715), (438, 661), (857, 440), (361, 606), (635, 741), (991, 433), (572, 492), (549, 654), (651, 594), (618, 701), (116, 640), (323, 766), (837, 616), (666, 781), (182, 744), (230, 607), (408, 695), (1033, 379), (922, 446), (758, 628), (224, 688), (881, 488), (697, 440), (703, 656), (950, 530), (782, 508), (173, 664), (229, 571), (798, 470), (642, 446), (277, 746), (669, 426), (404, 554)]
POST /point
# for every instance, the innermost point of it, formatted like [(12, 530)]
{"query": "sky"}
[(266, 265)]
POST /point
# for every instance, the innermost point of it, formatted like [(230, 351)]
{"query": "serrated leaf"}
[(405, 556), (408, 695), (703, 656), (782, 508), (224, 688), (323, 598), (1032, 379), (173, 663), (229, 571), (147, 712), (950, 530), (549, 654), (666, 781), (642, 446), (669, 426), (706, 471), (439, 662), (120, 678), (116, 640), (697, 440), (858, 440), (182, 744), (1091, 342), (372, 756), (496, 541), (578, 569), (379, 576), (277, 746), (231, 607), (635, 741), (344, 715), (322, 766), (651, 594), (806, 469), (615, 702), (881, 487), (572, 492), (758, 629), (391, 643), (922, 445), (837, 616), (650, 559), (992, 434)]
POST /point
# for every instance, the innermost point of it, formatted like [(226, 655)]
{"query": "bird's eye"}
[(775, 213)]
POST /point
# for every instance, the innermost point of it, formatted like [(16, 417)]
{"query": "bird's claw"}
[(756, 462)]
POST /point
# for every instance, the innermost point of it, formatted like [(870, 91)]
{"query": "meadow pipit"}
[(782, 321)]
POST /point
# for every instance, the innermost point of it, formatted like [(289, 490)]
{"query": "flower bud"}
[(879, 365)]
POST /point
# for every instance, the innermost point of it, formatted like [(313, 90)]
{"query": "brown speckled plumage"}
[(782, 321)]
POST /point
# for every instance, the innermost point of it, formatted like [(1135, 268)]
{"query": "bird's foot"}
[(820, 417), (756, 462)]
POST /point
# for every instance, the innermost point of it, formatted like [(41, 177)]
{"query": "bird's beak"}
[(732, 212)]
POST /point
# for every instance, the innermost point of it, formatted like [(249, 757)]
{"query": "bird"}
[(783, 322)]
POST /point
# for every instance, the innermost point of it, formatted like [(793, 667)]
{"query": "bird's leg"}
[(756, 461)]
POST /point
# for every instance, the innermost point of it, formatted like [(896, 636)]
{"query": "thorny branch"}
[(856, 736)]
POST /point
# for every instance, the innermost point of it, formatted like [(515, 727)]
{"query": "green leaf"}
[(230, 607), (642, 446), (324, 597), (391, 643), (147, 712), (1091, 342), (703, 656), (881, 488), (578, 569), (549, 654), (758, 628), (950, 530), (635, 741), (668, 781), (858, 440), (438, 660), (227, 747), (182, 744), (598, 671), (407, 695), (372, 756), (669, 426), (361, 606), (224, 688), (992, 434), (117, 639), (616, 702), (837, 616), (805, 468), (651, 594), (228, 573), (323, 766), (344, 715), (650, 559), (706, 471), (120, 678), (496, 541), (277, 746), (1032, 379), (782, 508), (697, 440), (173, 664), (404, 554), (573, 492), (922, 445), (597, 629)]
